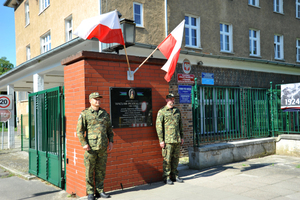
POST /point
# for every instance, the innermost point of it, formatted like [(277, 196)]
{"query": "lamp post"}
[(128, 30)]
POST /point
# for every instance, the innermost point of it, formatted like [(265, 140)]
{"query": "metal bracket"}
[(130, 76)]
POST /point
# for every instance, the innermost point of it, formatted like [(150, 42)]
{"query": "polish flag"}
[(170, 48), (105, 27)]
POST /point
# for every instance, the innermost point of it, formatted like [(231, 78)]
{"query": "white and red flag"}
[(105, 27), (170, 48)]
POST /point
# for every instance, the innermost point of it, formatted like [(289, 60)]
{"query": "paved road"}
[(16, 188), (273, 177)]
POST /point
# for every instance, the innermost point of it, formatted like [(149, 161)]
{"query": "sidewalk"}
[(273, 177), (23, 185)]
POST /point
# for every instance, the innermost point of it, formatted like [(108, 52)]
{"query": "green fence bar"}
[(229, 113)]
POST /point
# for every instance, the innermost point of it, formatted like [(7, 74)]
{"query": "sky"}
[(7, 33)]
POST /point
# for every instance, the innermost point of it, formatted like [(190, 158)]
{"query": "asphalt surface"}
[(273, 177)]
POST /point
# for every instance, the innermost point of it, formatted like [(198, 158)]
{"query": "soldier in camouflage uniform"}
[(170, 135), (95, 123)]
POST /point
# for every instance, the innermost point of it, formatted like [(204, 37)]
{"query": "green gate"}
[(229, 113), (47, 135)]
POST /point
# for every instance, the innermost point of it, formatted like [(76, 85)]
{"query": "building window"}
[(254, 42), (28, 54), (253, 2), (278, 6), (138, 14), (226, 37), (192, 31), (27, 13), (45, 42), (298, 8), (298, 49), (44, 4), (278, 46), (69, 28)]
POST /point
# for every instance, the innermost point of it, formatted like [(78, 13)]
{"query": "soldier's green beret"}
[(95, 95), (170, 95)]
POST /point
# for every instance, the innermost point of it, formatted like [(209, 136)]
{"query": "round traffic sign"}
[(4, 102), (4, 115)]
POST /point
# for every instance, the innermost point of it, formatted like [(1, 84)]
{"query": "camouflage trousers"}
[(95, 161), (171, 159)]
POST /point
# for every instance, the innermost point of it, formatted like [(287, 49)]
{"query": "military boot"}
[(102, 194), (179, 180), (168, 181), (91, 197)]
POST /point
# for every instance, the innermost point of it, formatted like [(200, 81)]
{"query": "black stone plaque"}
[(131, 107)]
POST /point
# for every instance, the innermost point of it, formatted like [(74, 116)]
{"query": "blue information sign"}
[(208, 78), (184, 92)]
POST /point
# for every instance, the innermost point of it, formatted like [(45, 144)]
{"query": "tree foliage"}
[(5, 65)]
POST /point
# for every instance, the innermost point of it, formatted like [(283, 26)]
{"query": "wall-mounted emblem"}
[(186, 66)]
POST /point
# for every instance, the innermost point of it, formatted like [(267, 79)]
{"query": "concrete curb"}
[(182, 167), (23, 175)]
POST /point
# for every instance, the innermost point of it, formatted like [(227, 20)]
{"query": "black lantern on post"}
[(128, 30)]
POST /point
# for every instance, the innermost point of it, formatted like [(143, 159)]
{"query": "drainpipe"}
[(100, 7), (166, 17)]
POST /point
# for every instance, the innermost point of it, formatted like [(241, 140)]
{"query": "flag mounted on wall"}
[(105, 27), (170, 48)]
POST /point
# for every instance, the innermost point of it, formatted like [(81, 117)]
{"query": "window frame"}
[(28, 52), (256, 3), (45, 45), (298, 9), (141, 15), (281, 49), (192, 27), (27, 14), (224, 34), (279, 4), (298, 50), (68, 28), (251, 42), (44, 4)]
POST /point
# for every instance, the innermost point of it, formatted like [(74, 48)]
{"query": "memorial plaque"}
[(131, 107)]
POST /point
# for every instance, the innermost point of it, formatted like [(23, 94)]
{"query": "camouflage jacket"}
[(169, 125), (96, 126)]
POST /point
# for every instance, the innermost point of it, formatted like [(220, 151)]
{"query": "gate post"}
[(271, 110), (195, 113)]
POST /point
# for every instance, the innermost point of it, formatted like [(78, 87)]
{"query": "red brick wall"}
[(136, 158)]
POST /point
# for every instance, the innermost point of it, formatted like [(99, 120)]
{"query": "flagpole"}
[(145, 59), (127, 60)]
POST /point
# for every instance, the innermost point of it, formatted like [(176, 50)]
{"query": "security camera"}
[(200, 63)]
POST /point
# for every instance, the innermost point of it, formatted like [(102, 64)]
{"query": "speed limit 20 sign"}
[(6, 102)]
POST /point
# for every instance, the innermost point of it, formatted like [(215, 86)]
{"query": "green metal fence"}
[(282, 122), (24, 133), (229, 113)]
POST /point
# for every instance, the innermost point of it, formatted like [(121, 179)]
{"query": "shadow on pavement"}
[(208, 172), (40, 194)]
